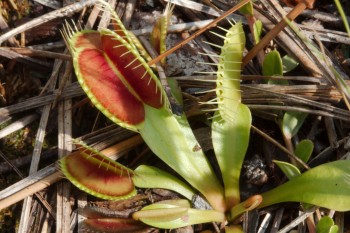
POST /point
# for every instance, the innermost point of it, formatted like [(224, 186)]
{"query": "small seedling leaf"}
[(326, 225), (257, 27), (234, 229), (247, 9), (291, 123), (288, 169), (289, 63), (303, 150), (272, 65)]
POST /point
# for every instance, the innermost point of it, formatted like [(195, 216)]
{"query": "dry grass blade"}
[(73, 90), (64, 147), (38, 195), (27, 206), (196, 6), (38, 53), (298, 220)]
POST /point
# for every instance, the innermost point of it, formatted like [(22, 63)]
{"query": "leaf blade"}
[(326, 189)]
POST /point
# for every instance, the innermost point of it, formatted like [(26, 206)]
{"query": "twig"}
[(19, 190), (279, 27), (38, 53), (195, 6), (129, 10), (23, 58), (297, 109), (197, 33), (62, 12), (73, 90), (38, 195), (64, 208), (17, 125), (39, 140), (298, 220), (305, 101), (285, 150)]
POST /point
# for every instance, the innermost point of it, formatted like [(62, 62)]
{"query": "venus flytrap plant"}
[(159, 32), (327, 185), (152, 177), (105, 224), (122, 85), (231, 122), (176, 213), (255, 25), (114, 183)]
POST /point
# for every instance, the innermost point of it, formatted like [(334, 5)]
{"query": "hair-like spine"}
[(229, 72)]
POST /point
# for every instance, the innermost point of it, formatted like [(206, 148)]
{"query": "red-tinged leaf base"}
[(98, 175), (113, 225)]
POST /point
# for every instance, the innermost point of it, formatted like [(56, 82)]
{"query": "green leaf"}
[(327, 185), (304, 150), (291, 123), (152, 177), (288, 169), (334, 229), (231, 123), (343, 16), (230, 142), (272, 65), (257, 27), (247, 9), (171, 138), (167, 215), (175, 90), (289, 63), (229, 70), (326, 225)]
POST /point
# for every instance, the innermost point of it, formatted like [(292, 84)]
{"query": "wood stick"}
[(200, 31), (272, 34)]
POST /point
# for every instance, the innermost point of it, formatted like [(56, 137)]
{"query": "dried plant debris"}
[(38, 83)]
